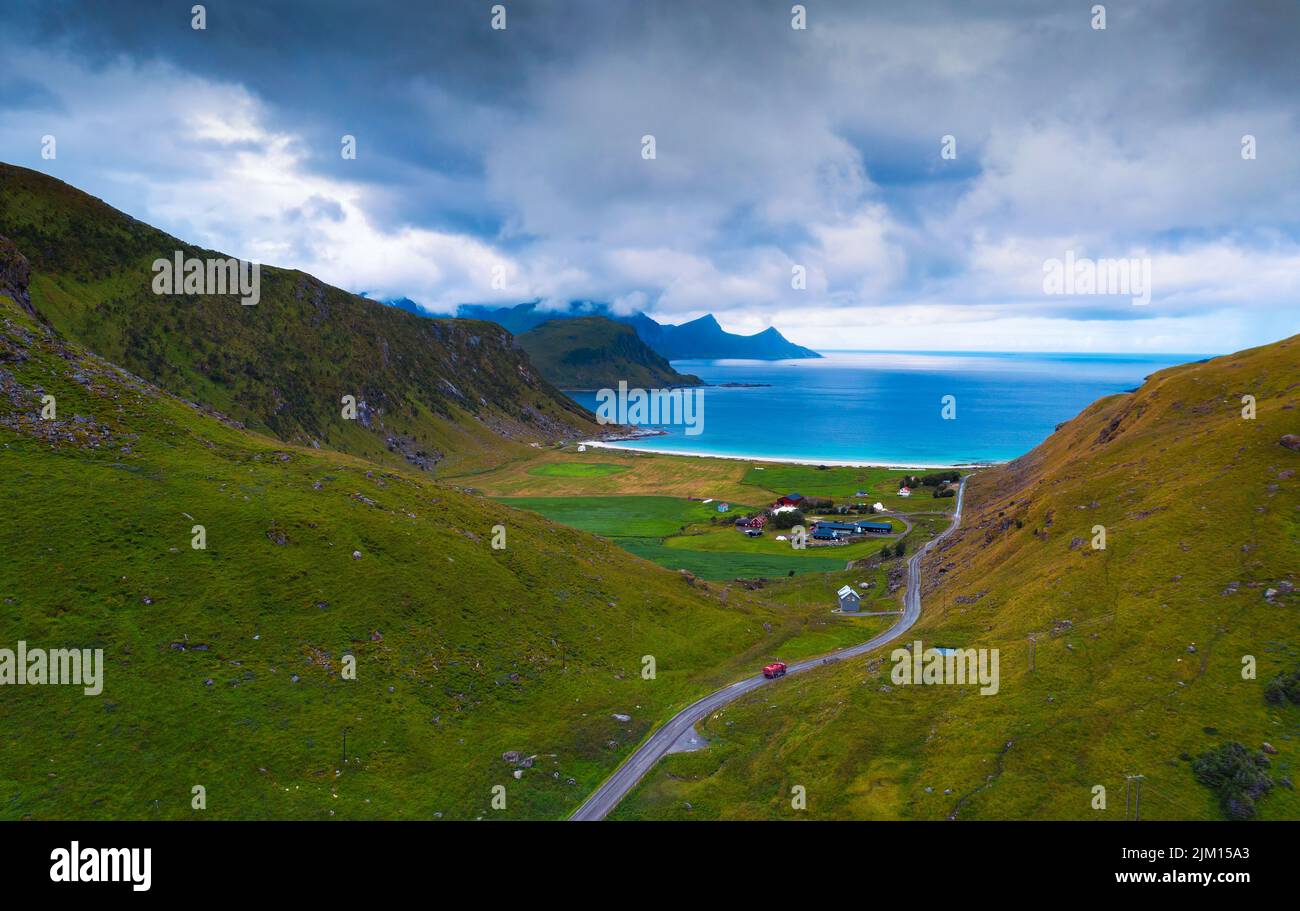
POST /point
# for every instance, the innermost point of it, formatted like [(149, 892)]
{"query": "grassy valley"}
[(224, 665), (1139, 651)]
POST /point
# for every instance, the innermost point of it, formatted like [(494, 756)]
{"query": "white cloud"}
[(774, 149)]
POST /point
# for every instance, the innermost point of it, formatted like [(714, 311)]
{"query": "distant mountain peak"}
[(701, 338)]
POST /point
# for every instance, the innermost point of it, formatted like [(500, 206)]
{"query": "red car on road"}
[(775, 669)]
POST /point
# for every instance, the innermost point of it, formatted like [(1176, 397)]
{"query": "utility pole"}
[(1137, 796)]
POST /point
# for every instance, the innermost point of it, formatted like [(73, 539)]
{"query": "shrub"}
[(787, 519), (1236, 775), (1283, 689)]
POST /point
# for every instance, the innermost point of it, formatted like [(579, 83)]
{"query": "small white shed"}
[(850, 600)]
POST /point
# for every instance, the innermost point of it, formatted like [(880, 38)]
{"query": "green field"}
[(841, 483), (618, 517), (726, 564), (682, 534), (576, 470)]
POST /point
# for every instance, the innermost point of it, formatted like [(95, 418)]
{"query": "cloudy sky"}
[(518, 154)]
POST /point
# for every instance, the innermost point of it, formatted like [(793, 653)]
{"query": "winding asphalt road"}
[(616, 786)]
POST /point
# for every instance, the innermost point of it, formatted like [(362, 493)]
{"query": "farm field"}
[(576, 470), (841, 484), (563, 471), (720, 564), (692, 536), (642, 502), (618, 517)]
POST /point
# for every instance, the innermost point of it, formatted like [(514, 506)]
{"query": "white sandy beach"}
[(832, 463)]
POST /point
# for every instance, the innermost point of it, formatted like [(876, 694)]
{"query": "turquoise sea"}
[(886, 408)]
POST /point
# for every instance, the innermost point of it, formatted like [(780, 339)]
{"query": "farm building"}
[(904, 491), (850, 600), (723, 507), (827, 531), (790, 499)]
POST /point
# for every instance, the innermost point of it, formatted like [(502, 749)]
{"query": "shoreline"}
[(829, 463)]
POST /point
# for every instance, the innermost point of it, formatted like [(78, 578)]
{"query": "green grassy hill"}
[(430, 392), (224, 665), (594, 352), (1139, 648)]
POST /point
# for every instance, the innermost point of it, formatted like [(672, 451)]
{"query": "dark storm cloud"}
[(776, 147)]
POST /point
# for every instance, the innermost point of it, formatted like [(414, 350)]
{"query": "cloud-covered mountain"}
[(700, 338)]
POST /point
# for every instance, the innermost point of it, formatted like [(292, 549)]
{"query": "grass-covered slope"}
[(1140, 647), (429, 391), (594, 352), (224, 665)]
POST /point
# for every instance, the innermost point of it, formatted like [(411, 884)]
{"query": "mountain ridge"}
[(427, 391), (702, 338), (594, 352)]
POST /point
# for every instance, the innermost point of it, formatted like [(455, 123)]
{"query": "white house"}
[(904, 491), (879, 507), (849, 600), (582, 447)]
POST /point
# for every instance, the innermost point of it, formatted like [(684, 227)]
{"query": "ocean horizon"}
[(887, 407)]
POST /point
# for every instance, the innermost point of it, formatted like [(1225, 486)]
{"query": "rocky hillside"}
[(426, 390), (594, 352), (1172, 652)]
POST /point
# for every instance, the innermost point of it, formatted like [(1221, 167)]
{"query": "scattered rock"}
[(1269, 749), (618, 717), (1291, 441)]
